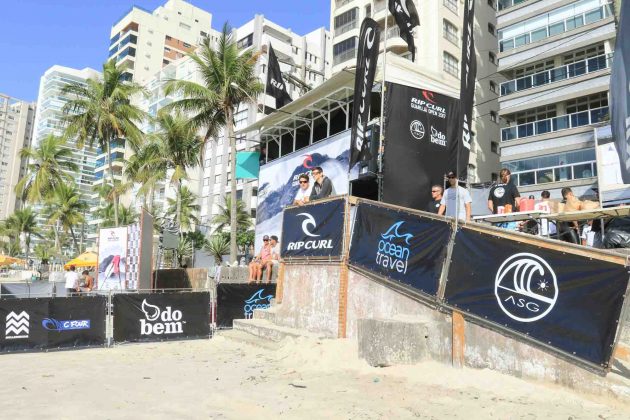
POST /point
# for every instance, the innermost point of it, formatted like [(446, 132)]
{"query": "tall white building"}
[(438, 54), (16, 130), (305, 62), (49, 120), (555, 57)]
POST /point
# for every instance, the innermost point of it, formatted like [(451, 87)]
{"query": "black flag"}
[(620, 92), (275, 83), (406, 17), (467, 90), (367, 57)]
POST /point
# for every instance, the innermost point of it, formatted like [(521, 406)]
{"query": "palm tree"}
[(228, 80), (140, 171), (126, 215), (101, 112), (184, 209), (65, 207), (224, 217), (173, 149), (23, 224), (217, 246), (49, 166)]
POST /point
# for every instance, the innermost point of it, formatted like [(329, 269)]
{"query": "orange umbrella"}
[(87, 259)]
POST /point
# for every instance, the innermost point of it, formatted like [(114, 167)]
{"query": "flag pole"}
[(381, 135)]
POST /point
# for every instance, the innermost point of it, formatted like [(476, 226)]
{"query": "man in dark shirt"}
[(436, 197), (322, 187), (503, 194)]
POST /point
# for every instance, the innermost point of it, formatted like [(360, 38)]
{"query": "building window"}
[(493, 117), (493, 87), (451, 5), (186, 45), (492, 4), (492, 57), (246, 41), (559, 167), (450, 32), (450, 64), (346, 21), (183, 25), (494, 147), (492, 29), (344, 50)]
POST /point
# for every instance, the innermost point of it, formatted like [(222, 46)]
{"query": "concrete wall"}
[(311, 298)]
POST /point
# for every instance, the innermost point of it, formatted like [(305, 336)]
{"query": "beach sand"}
[(227, 378)]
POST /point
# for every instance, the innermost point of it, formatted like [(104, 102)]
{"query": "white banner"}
[(279, 184), (112, 258)]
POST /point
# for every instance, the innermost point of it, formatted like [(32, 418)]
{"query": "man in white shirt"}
[(455, 192), (72, 280), (304, 192)]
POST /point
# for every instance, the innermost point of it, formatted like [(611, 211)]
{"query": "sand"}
[(230, 379)]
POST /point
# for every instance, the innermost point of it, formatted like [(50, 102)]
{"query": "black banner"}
[(161, 316), (569, 302), (276, 86), (467, 89), (238, 301), (49, 323), (402, 246), (367, 59), (421, 144), (406, 16), (620, 93), (313, 231)]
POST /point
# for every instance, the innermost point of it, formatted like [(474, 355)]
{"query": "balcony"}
[(562, 173), (556, 28), (557, 74), (344, 56), (346, 27), (341, 3), (506, 4), (550, 125)]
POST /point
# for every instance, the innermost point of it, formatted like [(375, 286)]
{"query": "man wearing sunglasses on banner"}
[(304, 192)]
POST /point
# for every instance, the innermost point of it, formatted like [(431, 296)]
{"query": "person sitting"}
[(274, 262), (87, 282), (256, 266), (304, 192)]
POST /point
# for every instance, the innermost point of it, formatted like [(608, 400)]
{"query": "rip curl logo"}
[(309, 220), (257, 301), (428, 96), (393, 249), (308, 160), (308, 224), (428, 105), (526, 287), (160, 321), (416, 129)]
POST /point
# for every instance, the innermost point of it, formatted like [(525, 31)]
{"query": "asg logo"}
[(158, 321), (257, 301), (416, 129), (526, 287), (393, 249), (17, 325)]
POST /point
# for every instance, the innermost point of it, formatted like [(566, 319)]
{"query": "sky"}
[(37, 34)]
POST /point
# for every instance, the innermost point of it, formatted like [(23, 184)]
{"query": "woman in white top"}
[(304, 191)]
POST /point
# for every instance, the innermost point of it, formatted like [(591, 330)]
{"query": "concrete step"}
[(249, 339), (265, 329)]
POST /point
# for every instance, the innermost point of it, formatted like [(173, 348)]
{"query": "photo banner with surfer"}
[(563, 301), (405, 247)]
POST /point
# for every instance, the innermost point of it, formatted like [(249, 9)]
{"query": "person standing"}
[(456, 201), (304, 192), (72, 280), (322, 187), (436, 199), (503, 195)]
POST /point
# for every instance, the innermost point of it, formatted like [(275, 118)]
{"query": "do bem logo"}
[(393, 249), (437, 137), (308, 225), (526, 287), (158, 321)]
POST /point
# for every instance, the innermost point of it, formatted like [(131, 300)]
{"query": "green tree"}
[(224, 219), (23, 224), (49, 166), (198, 239), (65, 207), (140, 170), (217, 246), (126, 215), (228, 80), (173, 149), (101, 112)]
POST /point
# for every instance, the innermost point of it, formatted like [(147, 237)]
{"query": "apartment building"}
[(49, 120), (16, 130), (304, 63), (438, 56), (555, 57)]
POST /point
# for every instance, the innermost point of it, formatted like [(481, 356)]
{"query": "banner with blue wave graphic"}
[(402, 246)]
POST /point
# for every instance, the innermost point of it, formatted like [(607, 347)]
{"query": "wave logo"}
[(160, 321), (526, 287), (309, 220), (393, 249), (17, 325), (257, 301), (52, 324)]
